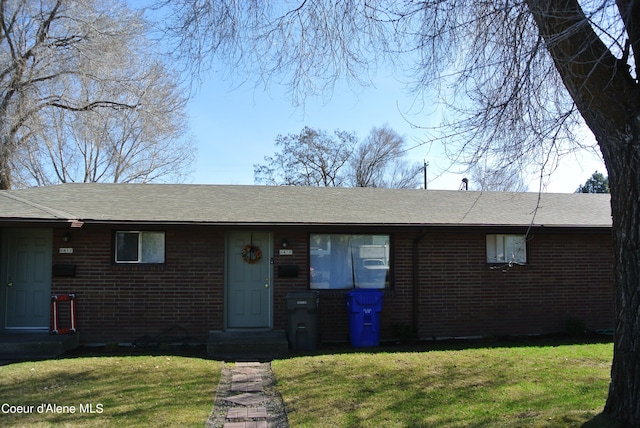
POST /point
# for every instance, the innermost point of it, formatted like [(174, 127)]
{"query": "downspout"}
[(416, 279)]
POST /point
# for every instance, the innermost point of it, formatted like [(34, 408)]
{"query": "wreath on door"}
[(251, 254)]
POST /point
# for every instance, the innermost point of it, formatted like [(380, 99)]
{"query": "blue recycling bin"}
[(364, 306)]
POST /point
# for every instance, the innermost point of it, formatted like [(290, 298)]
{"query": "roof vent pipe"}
[(465, 184)]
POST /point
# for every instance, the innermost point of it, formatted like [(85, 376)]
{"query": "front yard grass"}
[(521, 386), (122, 391), (532, 386)]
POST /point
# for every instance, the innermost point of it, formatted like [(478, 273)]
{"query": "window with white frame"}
[(139, 247), (344, 261), (506, 249)]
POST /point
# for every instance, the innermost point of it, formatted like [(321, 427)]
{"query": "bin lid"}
[(302, 300), (364, 292), (365, 296)]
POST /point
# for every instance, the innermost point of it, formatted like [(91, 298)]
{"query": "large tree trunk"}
[(608, 98), (624, 393)]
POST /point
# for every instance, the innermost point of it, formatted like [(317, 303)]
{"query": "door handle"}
[(9, 282)]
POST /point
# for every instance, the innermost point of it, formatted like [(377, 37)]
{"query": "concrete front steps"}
[(241, 345), (18, 346)]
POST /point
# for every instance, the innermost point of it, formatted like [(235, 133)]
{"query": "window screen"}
[(139, 247)]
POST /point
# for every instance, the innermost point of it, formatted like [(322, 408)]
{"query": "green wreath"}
[(251, 254)]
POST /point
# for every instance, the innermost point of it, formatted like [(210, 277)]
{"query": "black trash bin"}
[(364, 306), (302, 331)]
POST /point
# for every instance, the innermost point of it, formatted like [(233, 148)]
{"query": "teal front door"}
[(27, 281), (248, 280)]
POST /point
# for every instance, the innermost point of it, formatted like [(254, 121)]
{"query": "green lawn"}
[(136, 391), (550, 386), (523, 386)]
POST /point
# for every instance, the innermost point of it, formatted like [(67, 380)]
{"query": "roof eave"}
[(79, 223), (40, 221)]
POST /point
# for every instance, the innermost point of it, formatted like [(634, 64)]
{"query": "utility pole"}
[(424, 169)]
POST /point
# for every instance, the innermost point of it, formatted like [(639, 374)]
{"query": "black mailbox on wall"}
[(64, 270), (288, 271)]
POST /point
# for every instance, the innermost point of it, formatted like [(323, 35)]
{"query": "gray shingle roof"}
[(14, 207), (229, 204)]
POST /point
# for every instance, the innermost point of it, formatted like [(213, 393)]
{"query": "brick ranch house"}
[(144, 257)]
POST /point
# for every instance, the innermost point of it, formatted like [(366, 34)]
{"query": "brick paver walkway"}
[(246, 398)]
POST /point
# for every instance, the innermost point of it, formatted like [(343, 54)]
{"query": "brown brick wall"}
[(568, 277), (121, 303)]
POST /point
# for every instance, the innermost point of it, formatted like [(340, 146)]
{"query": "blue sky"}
[(235, 128)]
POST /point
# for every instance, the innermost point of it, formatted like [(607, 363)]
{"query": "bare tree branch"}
[(74, 75), (517, 79)]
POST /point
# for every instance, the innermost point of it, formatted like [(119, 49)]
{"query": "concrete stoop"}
[(247, 345), (28, 346)]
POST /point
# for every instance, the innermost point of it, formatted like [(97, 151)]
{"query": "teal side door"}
[(27, 278)]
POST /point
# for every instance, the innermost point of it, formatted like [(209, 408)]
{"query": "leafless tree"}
[(378, 161), (143, 144), (316, 158), (310, 158), (67, 64), (517, 78), (507, 178)]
